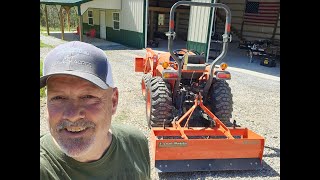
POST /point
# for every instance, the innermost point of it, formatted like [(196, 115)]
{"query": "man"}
[(81, 99)]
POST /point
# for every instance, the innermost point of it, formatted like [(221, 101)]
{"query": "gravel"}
[(256, 96)]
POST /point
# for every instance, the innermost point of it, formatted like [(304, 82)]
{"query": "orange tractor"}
[(189, 109)]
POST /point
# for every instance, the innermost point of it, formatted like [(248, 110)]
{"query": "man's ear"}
[(114, 99)]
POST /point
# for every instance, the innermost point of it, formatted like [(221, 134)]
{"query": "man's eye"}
[(87, 97), (57, 98)]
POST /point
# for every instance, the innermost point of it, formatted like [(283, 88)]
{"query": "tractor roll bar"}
[(226, 36)]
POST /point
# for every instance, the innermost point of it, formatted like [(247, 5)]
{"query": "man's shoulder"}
[(45, 153), (44, 164), (43, 139), (49, 165), (123, 130), (130, 139), (44, 135), (44, 150), (46, 168)]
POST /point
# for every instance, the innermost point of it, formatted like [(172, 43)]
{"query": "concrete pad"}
[(236, 58)]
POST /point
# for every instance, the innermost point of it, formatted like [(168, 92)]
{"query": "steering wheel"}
[(176, 52), (180, 56), (195, 52)]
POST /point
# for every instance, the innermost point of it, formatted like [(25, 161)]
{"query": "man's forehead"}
[(68, 80)]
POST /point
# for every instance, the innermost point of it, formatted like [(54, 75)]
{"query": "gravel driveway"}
[(256, 105)]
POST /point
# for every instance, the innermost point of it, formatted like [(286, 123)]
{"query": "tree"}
[(54, 17)]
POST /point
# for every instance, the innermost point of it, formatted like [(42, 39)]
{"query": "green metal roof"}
[(64, 2)]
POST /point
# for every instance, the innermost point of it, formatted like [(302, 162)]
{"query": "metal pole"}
[(210, 30)]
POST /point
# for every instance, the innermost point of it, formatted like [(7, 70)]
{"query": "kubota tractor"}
[(189, 109)]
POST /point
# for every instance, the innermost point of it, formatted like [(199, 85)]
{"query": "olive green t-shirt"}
[(127, 158)]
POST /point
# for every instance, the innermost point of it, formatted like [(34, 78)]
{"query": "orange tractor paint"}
[(189, 109)]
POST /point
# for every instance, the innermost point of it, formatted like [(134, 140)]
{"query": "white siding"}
[(101, 4), (199, 22), (131, 15), (131, 12)]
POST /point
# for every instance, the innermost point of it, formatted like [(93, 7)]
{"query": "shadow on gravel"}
[(276, 152), (266, 171)]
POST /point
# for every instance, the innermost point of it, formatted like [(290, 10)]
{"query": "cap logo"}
[(69, 58)]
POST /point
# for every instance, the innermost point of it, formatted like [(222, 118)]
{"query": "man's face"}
[(79, 113)]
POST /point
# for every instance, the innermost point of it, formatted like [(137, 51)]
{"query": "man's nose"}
[(73, 111)]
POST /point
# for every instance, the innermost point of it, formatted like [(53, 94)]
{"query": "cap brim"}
[(89, 77)]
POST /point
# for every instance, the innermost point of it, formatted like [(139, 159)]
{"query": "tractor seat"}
[(195, 67), (195, 62), (196, 59)]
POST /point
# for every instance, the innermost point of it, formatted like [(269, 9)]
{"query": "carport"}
[(66, 5)]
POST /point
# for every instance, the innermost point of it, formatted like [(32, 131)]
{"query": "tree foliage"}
[(54, 17)]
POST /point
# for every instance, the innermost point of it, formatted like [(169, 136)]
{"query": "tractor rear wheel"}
[(158, 103), (144, 81), (221, 102)]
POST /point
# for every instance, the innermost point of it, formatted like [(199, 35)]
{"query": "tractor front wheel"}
[(158, 103)]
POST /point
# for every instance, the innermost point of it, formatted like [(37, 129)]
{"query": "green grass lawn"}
[(42, 90), (43, 30), (44, 45)]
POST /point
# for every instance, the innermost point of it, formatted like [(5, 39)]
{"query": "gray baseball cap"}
[(78, 59)]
